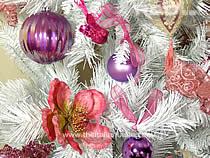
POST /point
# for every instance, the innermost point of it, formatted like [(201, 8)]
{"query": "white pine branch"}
[(166, 119), (20, 114), (163, 147), (198, 44), (60, 70), (137, 93), (104, 83), (197, 141), (192, 112), (82, 49), (202, 7)]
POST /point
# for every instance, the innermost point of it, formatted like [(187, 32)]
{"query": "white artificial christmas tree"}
[(167, 117)]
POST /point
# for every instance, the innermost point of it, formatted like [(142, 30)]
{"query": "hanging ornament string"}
[(121, 101), (10, 11), (92, 30), (171, 13), (96, 29), (170, 57), (117, 19)]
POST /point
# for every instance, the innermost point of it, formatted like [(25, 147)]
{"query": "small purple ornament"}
[(45, 37), (137, 148), (120, 71)]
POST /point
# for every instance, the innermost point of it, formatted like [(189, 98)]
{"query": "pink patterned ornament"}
[(185, 78), (191, 81)]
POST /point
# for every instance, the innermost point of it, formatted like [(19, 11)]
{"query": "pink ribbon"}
[(82, 6), (121, 101), (155, 96), (106, 19), (114, 19)]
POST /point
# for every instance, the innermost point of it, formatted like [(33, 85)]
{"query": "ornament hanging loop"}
[(45, 9), (170, 57), (82, 6)]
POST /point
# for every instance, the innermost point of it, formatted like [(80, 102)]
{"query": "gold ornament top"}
[(169, 14)]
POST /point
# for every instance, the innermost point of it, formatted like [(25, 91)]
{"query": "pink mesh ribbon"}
[(112, 18), (121, 101), (109, 17), (10, 11), (155, 96)]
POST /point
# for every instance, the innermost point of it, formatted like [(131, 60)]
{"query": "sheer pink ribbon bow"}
[(96, 29), (121, 101)]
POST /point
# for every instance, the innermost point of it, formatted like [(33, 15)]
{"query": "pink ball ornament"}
[(120, 71), (45, 37)]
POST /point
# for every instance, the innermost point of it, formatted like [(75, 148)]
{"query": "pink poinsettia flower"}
[(76, 122)]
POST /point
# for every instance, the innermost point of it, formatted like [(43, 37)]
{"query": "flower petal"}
[(52, 98), (47, 124), (59, 95), (59, 123), (93, 101), (97, 136), (63, 97), (72, 142)]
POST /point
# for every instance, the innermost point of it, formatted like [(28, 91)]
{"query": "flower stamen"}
[(79, 120)]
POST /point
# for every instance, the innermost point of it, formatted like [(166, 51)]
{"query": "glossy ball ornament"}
[(45, 37), (137, 148), (120, 71)]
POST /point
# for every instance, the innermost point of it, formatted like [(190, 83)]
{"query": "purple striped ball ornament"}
[(45, 37)]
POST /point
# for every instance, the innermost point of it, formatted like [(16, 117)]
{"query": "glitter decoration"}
[(32, 150)]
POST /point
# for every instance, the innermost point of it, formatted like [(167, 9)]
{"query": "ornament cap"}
[(46, 9)]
